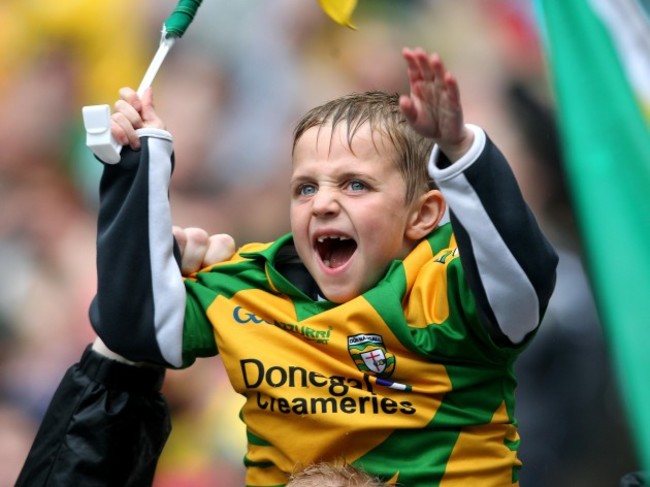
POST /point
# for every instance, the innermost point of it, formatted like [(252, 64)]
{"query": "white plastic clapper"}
[(97, 122)]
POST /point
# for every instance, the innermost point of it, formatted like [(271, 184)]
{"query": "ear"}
[(427, 212)]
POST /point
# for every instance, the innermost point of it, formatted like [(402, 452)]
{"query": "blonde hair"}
[(333, 475), (381, 111)]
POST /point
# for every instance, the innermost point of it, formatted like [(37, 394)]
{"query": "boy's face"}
[(348, 211)]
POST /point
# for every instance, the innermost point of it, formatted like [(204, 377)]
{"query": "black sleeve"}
[(106, 426), (508, 262), (139, 308)]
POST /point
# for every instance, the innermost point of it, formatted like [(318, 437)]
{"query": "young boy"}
[(370, 333)]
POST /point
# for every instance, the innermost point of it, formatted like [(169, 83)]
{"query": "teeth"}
[(333, 237)]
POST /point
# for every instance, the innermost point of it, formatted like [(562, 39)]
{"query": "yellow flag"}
[(340, 10)]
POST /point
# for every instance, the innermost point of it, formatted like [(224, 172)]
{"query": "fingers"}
[(452, 90), (424, 67), (198, 250), (437, 69), (412, 66), (220, 247), (132, 112), (433, 107), (408, 108), (123, 130), (181, 238), (149, 116), (126, 118), (194, 250)]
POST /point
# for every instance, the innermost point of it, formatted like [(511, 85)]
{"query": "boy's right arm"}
[(139, 308), (140, 303)]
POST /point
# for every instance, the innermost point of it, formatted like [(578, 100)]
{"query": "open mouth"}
[(335, 250)]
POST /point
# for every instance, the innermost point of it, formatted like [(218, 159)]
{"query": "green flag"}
[(599, 60)]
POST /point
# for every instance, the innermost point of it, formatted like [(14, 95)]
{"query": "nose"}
[(325, 202)]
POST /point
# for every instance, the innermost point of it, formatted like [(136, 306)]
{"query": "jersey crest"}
[(370, 355)]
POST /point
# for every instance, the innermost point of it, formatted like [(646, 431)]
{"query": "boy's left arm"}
[(508, 263)]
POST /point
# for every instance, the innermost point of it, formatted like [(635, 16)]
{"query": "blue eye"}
[(307, 189), (357, 185)]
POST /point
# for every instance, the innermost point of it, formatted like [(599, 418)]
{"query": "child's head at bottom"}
[(333, 475)]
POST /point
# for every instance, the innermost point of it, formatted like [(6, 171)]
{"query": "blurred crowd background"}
[(230, 92)]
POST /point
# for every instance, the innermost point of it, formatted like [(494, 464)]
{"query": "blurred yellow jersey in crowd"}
[(107, 42)]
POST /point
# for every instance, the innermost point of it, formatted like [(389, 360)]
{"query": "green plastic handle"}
[(182, 16)]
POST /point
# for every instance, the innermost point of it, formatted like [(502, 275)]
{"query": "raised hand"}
[(433, 107), (132, 112)]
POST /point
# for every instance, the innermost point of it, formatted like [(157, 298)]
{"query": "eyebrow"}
[(357, 175), (344, 176)]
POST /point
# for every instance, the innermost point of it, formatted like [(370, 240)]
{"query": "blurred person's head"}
[(17, 431), (38, 113), (192, 105)]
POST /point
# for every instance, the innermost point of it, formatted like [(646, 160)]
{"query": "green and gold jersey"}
[(404, 380)]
